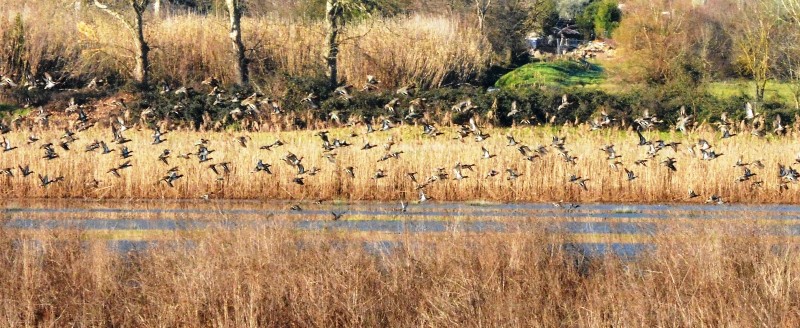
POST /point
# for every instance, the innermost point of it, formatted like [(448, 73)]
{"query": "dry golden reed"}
[(275, 277), (543, 179)]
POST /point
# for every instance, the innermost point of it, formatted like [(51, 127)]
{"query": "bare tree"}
[(754, 40), (235, 13), (789, 68), (142, 65), (336, 15), (509, 22), (334, 22), (655, 37), (790, 51)]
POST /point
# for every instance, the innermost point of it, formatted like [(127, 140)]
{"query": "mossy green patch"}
[(561, 73)]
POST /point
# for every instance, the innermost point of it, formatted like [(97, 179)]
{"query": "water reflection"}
[(367, 217)]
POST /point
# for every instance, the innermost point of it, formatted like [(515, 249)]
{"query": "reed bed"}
[(276, 277), (82, 42), (543, 179)]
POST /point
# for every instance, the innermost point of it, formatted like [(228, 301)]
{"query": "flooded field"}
[(623, 228), (177, 259)]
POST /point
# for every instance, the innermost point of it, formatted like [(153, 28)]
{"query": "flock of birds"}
[(252, 105)]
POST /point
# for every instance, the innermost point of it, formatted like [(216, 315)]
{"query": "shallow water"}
[(427, 217), (595, 220)]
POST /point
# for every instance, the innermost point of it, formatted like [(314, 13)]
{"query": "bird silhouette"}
[(580, 181), (171, 177), (670, 163), (7, 171), (25, 170), (260, 167), (403, 206), (164, 156), (337, 216), (642, 140), (692, 194), (46, 181), (485, 153), (714, 199), (125, 152), (630, 174), (379, 174), (422, 196), (7, 145)]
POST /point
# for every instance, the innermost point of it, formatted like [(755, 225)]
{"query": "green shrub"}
[(562, 73)]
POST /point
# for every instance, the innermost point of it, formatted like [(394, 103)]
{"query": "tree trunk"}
[(142, 68), (481, 7), (235, 13), (142, 65), (759, 92), (333, 20)]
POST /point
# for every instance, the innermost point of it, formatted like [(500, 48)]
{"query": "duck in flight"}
[(46, 181)]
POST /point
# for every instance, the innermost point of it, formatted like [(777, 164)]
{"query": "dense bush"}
[(534, 105)]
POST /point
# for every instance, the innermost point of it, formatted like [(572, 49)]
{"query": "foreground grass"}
[(274, 277)]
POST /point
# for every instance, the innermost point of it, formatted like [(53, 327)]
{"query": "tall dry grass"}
[(275, 277), (543, 179), (49, 36), (187, 47)]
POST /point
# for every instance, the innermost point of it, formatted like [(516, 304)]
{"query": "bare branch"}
[(793, 9), (139, 5), (114, 14)]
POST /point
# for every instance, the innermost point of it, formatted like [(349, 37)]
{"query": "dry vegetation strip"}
[(542, 179), (189, 48), (272, 277)]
